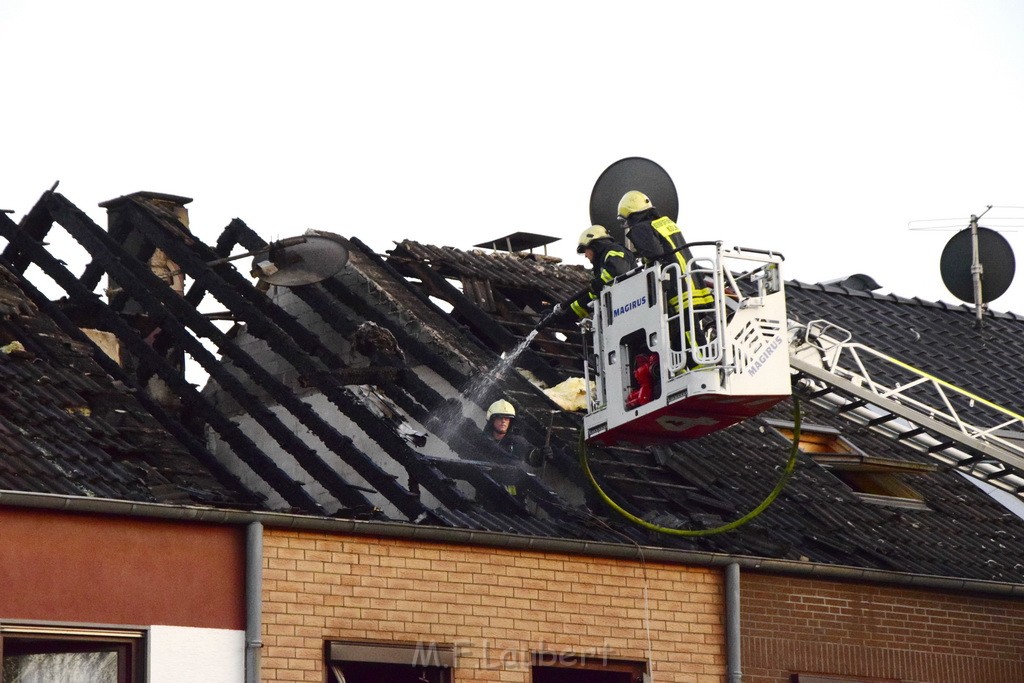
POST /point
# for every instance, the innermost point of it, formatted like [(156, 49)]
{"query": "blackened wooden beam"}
[(169, 309), (334, 314), (183, 436), (265, 319), (242, 445), (35, 224)]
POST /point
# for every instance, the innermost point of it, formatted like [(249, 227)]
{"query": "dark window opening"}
[(824, 678), (394, 663), (373, 672), (876, 480), (568, 668)]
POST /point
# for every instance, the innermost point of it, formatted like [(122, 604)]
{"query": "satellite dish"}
[(631, 173), (298, 261), (995, 257)]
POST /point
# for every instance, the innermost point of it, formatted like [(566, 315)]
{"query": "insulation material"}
[(570, 394)]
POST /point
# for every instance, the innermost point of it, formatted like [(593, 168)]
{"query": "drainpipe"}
[(732, 622), (253, 600)]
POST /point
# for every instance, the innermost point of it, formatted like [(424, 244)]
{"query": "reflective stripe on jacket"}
[(673, 237), (610, 261)]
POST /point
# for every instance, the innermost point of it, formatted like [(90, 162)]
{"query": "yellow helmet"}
[(500, 408), (633, 201), (594, 232)]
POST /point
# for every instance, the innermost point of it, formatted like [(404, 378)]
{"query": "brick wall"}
[(801, 625), (498, 606)]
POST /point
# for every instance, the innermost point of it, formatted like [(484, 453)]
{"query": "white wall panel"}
[(179, 654)]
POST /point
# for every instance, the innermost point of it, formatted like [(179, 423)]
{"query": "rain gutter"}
[(495, 539)]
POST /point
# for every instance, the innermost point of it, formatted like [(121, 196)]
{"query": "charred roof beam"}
[(483, 325), (155, 296), (194, 446), (247, 451), (35, 224), (239, 295), (334, 315)]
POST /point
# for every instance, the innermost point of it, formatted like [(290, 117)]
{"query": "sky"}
[(832, 132)]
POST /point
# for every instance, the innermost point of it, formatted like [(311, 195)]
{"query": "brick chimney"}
[(121, 229)]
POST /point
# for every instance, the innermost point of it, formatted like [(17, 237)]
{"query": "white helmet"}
[(500, 408)]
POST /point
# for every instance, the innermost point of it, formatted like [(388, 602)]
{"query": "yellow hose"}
[(794, 451)]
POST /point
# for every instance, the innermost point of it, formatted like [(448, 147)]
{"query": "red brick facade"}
[(913, 636)]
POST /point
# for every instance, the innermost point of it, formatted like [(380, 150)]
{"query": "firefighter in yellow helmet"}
[(609, 260), (658, 238), (500, 416)]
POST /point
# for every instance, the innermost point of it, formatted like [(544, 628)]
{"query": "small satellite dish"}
[(631, 173), (298, 261), (995, 257)]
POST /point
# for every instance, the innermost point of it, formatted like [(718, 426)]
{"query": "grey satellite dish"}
[(631, 173), (995, 257), (299, 261)]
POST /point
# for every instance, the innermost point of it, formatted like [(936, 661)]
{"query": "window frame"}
[(338, 652), (128, 643), (636, 669)]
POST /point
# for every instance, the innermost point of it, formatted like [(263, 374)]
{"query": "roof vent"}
[(519, 241), (858, 281)]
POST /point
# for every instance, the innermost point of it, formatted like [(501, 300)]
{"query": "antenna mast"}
[(977, 269)]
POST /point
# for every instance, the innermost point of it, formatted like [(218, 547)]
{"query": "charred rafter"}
[(289, 339), (174, 314), (193, 445), (22, 244)]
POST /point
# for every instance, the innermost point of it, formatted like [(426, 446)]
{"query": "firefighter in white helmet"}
[(500, 416)]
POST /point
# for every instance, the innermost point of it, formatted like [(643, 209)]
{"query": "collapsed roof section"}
[(364, 395), (70, 424)]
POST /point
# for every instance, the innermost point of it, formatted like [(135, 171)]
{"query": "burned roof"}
[(68, 427), (363, 396)]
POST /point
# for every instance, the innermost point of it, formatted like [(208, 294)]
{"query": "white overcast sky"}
[(818, 129)]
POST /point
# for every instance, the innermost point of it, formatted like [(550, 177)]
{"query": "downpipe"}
[(732, 623), (253, 600)]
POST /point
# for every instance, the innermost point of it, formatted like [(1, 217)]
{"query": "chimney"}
[(120, 227)]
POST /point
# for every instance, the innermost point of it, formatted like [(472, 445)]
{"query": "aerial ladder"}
[(661, 375), (895, 399)]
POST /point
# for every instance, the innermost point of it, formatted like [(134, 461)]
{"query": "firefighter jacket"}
[(658, 238), (611, 259)]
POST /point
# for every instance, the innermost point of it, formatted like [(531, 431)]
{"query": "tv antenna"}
[(977, 265), (298, 261)]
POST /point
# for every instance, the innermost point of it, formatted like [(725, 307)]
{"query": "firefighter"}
[(657, 238), (609, 260), (500, 416)]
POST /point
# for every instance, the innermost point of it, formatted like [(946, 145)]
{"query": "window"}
[(873, 479), (395, 663), (38, 654), (569, 668), (823, 678)]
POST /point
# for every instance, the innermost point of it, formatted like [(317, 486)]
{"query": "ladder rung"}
[(911, 433), (881, 420), (852, 405), (970, 461), (940, 446), (822, 392)]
